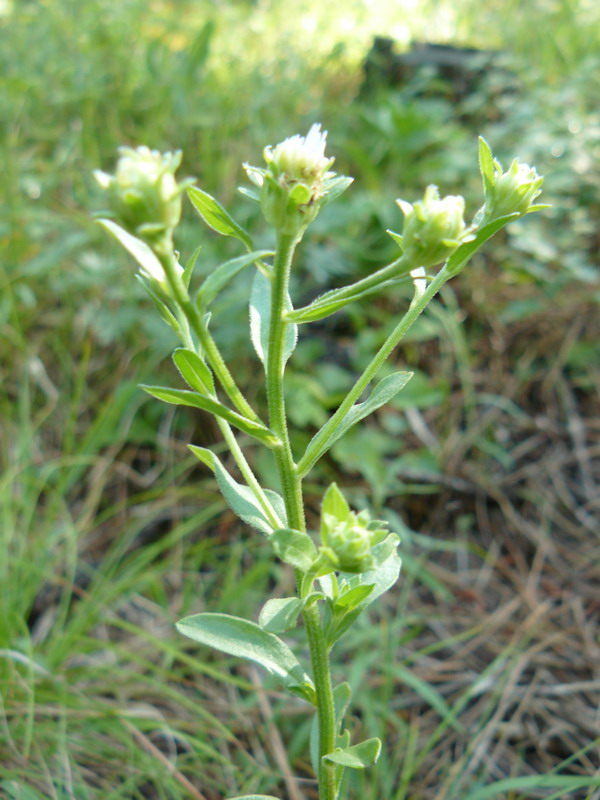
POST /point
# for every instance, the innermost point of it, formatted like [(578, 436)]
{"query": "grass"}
[(480, 670)]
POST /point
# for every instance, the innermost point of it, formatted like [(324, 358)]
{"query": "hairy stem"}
[(164, 251), (291, 484)]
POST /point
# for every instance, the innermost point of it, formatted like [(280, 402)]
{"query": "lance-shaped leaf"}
[(381, 394), (358, 756), (223, 274), (143, 254), (215, 216), (241, 499), (189, 267), (379, 580), (255, 797), (260, 320), (182, 397), (244, 639), (280, 614), (193, 370), (160, 304)]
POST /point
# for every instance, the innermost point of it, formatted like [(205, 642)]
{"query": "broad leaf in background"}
[(244, 639), (260, 318), (241, 499)]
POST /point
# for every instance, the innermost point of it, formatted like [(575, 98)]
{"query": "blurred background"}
[(481, 669)]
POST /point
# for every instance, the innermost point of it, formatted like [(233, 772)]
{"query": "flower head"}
[(512, 191), (296, 182), (348, 537), (145, 198), (433, 227)]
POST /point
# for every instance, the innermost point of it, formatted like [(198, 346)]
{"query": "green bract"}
[(512, 191), (144, 197)]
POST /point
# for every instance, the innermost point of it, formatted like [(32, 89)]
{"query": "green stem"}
[(291, 484), (275, 367), (164, 251), (319, 656), (187, 316), (372, 282), (417, 306)]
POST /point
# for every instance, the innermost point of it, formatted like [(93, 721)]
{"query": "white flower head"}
[(300, 158)]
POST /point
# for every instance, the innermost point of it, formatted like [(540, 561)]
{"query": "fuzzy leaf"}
[(335, 504), (244, 639), (358, 756), (216, 217), (193, 370), (189, 267), (486, 163), (182, 397), (280, 614), (240, 498), (295, 548), (223, 274), (255, 797), (260, 318)]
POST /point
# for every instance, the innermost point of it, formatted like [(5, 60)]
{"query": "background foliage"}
[(481, 673)]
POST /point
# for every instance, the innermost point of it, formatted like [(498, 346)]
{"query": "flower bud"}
[(296, 182), (144, 196), (347, 537), (433, 227), (512, 191)]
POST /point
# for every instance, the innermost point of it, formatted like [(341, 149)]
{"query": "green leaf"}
[(335, 504), (244, 639), (460, 256), (255, 797), (223, 274), (280, 614), (381, 394), (295, 548), (216, 217), (160, 304), (240, 498), (189, 267), (260, 318), (334, 188), (193, 370), (358, 756), (486, 164), (380, 579), (182, 397), (353, 597), (143, 254)]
